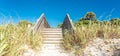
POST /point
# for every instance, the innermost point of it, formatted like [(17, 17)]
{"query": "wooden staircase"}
[(52, 35), (52, 40)]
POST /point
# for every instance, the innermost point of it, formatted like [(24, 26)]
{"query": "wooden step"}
[(52, 39), (52, 29), (52, 35)]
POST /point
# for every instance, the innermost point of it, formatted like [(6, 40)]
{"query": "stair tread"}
[(52, 36), (50, 29), (52, 39), (47, 42), (52, 33)]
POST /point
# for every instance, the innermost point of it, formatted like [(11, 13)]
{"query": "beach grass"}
[(85, 33), (13, 36)]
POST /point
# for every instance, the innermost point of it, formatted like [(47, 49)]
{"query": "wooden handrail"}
[(41, 23), (68, 25)]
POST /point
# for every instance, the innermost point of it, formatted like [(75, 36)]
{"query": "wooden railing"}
[(41, 23), (68, 25)]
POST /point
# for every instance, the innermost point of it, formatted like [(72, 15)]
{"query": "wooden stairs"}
[(52, 37), (52, 40)]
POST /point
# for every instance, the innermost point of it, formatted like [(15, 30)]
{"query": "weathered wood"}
[(68, 25), (52, 37), (41, 23)]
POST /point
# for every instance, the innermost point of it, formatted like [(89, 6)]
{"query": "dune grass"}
[(12, 37), (85, 33)]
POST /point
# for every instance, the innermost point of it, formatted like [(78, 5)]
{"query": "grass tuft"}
[(12, 37), (85, 33)]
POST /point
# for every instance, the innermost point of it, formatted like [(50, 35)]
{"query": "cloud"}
[(101, 16), (110, 14)]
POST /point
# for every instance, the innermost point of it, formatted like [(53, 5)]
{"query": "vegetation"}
[(60, 25), (12, 37), (88, 29), (115, 21), (89, 16)]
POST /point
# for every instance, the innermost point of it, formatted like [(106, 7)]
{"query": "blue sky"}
[(55, 10)]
